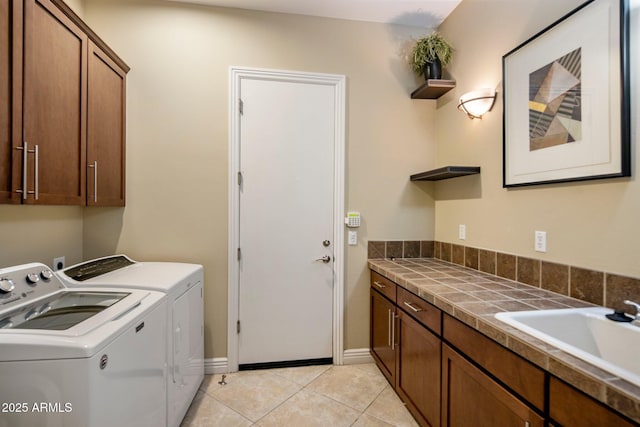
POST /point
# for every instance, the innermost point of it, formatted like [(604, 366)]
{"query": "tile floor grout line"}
[(199, 413), (368, 406)]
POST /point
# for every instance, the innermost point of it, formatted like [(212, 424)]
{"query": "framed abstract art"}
[(566, 99)]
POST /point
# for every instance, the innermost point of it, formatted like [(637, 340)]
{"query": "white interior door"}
[(286, 221)]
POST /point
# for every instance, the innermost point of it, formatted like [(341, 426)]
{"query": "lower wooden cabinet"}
[(570, 407), (470, 398), (407, 353), (418, 375), (449, 374), (383, 314)]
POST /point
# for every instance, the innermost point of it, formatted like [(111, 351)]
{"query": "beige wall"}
[(39, 234), (77, 6), (177, 142), (589, 224)]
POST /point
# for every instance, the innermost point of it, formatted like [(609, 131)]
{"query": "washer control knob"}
[(46, 274), (33, 278), (6, 285)]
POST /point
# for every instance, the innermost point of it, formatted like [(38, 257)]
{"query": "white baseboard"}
[(220, 365), (356, 356), (216, 365)]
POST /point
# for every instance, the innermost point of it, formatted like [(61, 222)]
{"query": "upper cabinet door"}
[(5, 101), (105, 131), (55, 100), (10, 100)]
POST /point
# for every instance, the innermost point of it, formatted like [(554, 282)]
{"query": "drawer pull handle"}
[(412, 307), (380, 285)]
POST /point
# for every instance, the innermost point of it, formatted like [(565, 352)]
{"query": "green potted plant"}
[(430, 54)]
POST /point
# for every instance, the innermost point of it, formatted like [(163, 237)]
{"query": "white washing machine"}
[(79, 357), (183, 285)]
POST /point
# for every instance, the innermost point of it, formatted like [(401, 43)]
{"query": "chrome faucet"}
[(636, 319)]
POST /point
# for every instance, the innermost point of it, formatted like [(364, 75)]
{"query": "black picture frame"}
[(566, 99)]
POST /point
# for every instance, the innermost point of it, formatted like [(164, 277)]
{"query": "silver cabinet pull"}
[(35, 171), (95, 180), (393, 331), (37, 180), (378, 284), (412, 307), (24, 170), (389, 328)]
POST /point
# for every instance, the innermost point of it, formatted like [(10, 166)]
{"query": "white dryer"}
[(79, 357), (183, 285)]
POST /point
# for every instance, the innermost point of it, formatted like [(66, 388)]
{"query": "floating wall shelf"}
[(432, 89), (445, 173)]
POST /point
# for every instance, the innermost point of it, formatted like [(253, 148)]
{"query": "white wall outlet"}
[(541, 241), (462, 232), (58, 263), (353, 238)]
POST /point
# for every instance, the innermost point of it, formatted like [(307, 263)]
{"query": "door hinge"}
[(240, 178), (238, 327), (241, 106), (239, 254)]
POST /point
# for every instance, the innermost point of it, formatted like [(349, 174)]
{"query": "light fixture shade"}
[(478, 102)]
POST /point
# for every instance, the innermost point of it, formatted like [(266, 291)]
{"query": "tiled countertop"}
[(473, 297)]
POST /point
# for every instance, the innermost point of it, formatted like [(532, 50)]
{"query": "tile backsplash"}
[(596, 287)]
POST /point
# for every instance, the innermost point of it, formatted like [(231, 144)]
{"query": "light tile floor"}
[(354, 395)]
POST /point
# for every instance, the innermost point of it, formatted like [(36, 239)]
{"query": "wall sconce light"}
[(478, 102)]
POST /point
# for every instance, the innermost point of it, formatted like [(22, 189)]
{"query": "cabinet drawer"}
[(383, 285), (419, 309), (517, 373), (570, 407)]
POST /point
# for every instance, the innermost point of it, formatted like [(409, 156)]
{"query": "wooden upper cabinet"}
[(5, 100), (105, 130), (55, 100), (10, 98)]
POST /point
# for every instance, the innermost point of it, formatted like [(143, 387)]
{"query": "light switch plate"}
[(462, 232), (541, 241), (353, 238)]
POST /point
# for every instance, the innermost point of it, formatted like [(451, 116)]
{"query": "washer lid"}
[(61, 311), (85, 338)]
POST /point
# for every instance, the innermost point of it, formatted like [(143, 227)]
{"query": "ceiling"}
[(419, 13)]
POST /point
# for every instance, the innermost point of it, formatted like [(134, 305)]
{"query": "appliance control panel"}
[(97, 267), (26, 282)]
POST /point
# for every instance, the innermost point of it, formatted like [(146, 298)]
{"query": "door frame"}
[(338, 82)]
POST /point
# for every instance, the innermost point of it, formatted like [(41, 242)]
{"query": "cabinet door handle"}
[(378, 284), (24, 170), (389, 327), (36, 172), (412, 307), (393, 331), (94, 166), (35, 191)]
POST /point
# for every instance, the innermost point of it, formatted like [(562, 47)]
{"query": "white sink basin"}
[(587, 334)]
